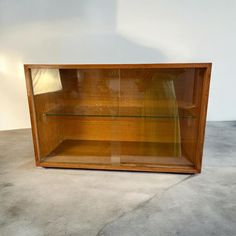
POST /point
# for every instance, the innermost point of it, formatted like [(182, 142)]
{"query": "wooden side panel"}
[(33, 119), (202, 118)]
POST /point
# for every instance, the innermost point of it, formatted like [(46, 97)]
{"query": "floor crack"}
[(142, 204)]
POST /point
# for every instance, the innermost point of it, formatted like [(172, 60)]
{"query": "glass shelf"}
[(106, 111)]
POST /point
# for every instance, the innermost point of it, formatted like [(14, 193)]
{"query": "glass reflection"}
[(45, 80)]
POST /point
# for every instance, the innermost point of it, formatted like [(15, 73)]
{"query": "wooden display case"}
[(137, 117)]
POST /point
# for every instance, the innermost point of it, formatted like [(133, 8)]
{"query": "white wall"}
[(115, 31)]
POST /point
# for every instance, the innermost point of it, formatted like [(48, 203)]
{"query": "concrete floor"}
[(37, 201)]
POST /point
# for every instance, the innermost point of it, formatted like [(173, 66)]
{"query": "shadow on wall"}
[(58, 32), (79, 32)]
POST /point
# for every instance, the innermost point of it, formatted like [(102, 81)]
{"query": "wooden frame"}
[(201, 88)]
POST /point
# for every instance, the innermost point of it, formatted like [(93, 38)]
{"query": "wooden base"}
[(116, 155)]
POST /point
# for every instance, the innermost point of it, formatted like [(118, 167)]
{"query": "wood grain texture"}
[(119, 66), (160, 168), (202, 118), (117, 129), (32, 115), (50, 130), (107, 152), (124, 86)]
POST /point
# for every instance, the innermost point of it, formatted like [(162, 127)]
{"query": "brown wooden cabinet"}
[(138, 117)]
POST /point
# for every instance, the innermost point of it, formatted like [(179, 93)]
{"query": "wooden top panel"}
[(119, 66)]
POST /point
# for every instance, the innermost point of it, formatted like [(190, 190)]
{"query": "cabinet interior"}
[(118, 116)]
